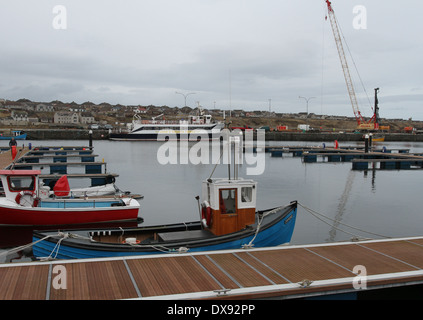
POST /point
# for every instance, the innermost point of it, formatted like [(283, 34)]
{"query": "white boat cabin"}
[(228, 205), (17, 185), (24, 188), (201, 119)]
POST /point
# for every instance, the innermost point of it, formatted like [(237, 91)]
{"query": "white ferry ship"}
[(199, 125)]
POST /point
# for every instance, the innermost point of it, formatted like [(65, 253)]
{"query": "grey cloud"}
[(144, 51)]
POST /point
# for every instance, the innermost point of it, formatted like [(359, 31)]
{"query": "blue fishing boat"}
[(18, 135), (228, 220)]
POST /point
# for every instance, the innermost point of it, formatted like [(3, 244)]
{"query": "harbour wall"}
[(65, 134), (79, 134), (329, 136)]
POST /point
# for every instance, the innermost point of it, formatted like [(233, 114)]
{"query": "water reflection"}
[(391, 207), (373, 173), (341, 206)]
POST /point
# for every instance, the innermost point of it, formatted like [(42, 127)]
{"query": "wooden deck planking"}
[(406, 251), (23, 283), (95, 281), (417, 241), (25, 157), (6, 157), (70, 164), (243, 274), (223, 279), (349, 256), (262, 268), (298, 264), (59, 151), (205, 272), (163, 276)]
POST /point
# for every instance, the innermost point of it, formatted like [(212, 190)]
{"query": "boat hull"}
[(275, 231), (18, 137), (156, 136), (21, 216), (160, 132)]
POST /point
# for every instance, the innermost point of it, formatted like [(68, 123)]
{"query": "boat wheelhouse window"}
[(228, 201), (21, 183), (246, 194)]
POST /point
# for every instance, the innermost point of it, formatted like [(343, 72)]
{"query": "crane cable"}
[(353, 61)]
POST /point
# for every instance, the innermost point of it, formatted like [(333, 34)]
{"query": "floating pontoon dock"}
[(284, 272), (360, 159)]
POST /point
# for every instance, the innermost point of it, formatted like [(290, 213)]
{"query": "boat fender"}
[(131, 241), (28, 193), (206, 214), (110, 179)]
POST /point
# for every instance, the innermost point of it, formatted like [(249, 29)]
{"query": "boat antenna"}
[(235, 139), (199, 210), (218, 161), (231, 141)]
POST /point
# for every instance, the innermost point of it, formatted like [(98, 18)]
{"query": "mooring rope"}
[(319, 216), (259, 222), (56, 247), (20, 248), (250, 244)]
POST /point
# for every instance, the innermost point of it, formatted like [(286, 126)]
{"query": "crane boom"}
[(344, 63)]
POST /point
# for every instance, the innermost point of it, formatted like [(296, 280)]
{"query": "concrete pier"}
[(83, 134)]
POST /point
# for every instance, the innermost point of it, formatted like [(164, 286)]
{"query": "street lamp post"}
[(307, 100), (185, 96)]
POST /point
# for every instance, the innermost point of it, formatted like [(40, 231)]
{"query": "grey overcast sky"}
[(234, 54)]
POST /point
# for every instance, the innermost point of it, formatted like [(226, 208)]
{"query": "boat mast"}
[(235, 139)]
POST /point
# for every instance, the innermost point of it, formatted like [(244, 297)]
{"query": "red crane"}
[(374, 121)]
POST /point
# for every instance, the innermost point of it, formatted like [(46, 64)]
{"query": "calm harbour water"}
[(385, 202)]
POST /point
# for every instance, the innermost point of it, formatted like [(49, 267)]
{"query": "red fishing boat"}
[(24, 201)]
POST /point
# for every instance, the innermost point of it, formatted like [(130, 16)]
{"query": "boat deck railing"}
[(62, 203)]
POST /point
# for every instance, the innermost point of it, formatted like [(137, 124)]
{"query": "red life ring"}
[(206, 214), (27, 193)]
